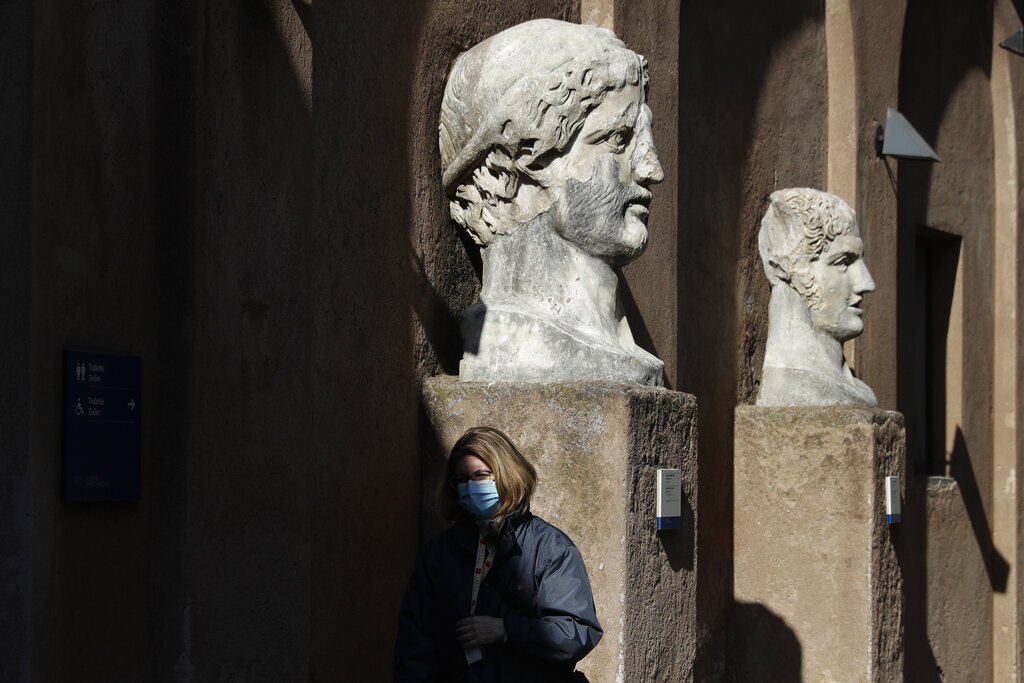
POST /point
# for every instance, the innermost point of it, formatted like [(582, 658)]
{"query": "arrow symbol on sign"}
[(131, 404)]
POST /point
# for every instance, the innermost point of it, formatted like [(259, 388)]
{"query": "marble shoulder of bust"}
[(506, 344), (782, 386)]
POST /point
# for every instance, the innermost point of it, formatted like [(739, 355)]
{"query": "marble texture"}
[(814, 258), (547, 158)]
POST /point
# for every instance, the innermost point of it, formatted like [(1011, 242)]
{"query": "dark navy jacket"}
[(538, 585)]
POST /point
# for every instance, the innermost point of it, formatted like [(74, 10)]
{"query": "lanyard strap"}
[(484, 558)]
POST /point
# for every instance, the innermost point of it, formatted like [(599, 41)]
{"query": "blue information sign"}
[(102, 426)]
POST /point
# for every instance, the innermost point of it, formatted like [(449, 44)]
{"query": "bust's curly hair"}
[(800, 225), (515, 100)]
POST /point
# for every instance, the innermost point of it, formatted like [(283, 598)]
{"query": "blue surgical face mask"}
[(479, 498)]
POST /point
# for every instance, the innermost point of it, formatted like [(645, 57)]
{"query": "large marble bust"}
[(814, 259), (546, 158)]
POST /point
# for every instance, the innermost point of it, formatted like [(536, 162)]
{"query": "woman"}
[(528, 613)]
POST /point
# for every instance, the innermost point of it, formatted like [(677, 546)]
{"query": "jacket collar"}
[(467, 535), (511, 533)]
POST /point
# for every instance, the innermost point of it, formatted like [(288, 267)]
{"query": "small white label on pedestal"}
[(893, 508), (670, 499)]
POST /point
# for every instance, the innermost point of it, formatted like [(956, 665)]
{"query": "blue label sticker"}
[(670, 523)]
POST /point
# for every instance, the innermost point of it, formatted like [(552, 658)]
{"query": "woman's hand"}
[(477, 631)]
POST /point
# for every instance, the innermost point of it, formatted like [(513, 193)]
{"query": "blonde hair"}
[(514, 476)]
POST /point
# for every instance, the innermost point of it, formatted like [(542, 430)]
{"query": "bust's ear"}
[(776, 271)]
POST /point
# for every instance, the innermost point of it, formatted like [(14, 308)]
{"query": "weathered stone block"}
[(817, 582), (597, 448)]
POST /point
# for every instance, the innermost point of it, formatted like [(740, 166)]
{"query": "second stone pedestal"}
[(597, 448), (817, 582)]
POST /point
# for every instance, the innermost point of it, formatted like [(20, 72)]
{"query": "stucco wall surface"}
[(947, 96), (751, 119), (363, 403), (15, 344), (249, 437), (171, 189), (95, 251), (875, 45), (958, 584)]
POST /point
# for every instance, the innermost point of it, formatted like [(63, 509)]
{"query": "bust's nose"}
[(646, 166), (864, 282)]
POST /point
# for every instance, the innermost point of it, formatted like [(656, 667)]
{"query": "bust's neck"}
[(534, 269), (793, 341)]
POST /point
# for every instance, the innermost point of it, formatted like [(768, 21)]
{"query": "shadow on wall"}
[(365, 400), (960, 468), (911, 546), (946, 46), (434, 457), (641, 335), (761, 646), (909, 542), (680, 546), (441, 345), (751, 118), (762, 131)]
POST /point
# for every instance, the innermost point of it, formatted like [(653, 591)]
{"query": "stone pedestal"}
[(597, 448), (817, 583)]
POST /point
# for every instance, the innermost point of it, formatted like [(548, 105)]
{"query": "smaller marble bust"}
[(814, 259), (547, 159)]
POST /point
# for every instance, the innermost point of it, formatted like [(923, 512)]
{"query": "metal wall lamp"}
[(1014, 43), (899, 139)]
